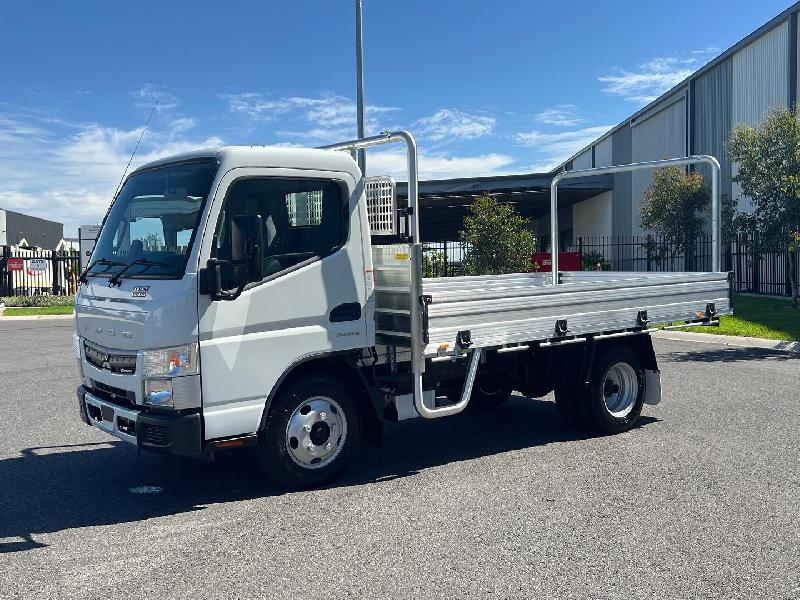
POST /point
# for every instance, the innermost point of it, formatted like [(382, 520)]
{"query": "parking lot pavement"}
[(700, 500)]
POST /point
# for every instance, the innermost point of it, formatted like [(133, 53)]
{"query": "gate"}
[(33, 271)]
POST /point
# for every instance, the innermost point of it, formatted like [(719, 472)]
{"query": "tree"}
[(433, 262), (769, 174), (496, 238), (674, 206)]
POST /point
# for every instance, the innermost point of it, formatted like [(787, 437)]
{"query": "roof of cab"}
[(231, 157)]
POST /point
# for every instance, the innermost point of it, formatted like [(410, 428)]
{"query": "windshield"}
[(152, 223)]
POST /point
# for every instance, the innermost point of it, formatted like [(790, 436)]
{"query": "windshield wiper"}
[(144, 262), (83, 277)]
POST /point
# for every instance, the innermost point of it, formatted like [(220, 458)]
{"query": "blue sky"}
[(489, 87)]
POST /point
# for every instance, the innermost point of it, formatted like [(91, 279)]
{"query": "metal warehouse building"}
[(16, 227), (695, 117)]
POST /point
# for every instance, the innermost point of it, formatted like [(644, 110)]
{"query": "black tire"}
[(490, 391), (284, 463), (617, 374), (537, 388), (568, 399)]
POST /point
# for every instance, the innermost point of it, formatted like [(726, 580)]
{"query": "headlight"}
[(170, 362), (158, 392)]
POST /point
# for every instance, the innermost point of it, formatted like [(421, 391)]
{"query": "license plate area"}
[(107, 413), (117, 421)]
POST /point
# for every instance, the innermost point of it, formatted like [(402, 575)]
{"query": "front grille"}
[(103, 359), (114, 395), (154, 435)]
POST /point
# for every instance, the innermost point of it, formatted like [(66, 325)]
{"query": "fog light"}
[(158, 392)]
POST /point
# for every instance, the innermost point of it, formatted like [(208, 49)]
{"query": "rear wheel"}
[(613, 400), (536, 388), (490, 391), (312, 431)]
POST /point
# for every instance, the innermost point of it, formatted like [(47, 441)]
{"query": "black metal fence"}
[(34, 271), (762, 273)]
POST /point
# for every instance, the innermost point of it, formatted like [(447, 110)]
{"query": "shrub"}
[(497, 239), (39, 300)]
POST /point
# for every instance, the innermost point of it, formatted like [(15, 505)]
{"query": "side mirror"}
[(246, 264)]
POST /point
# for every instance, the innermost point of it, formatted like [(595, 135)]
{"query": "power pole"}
[(362, 157)]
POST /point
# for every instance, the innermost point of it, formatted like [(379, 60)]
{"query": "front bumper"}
[(181, 435)]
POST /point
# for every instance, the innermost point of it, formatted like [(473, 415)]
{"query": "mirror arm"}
[(218, 293)]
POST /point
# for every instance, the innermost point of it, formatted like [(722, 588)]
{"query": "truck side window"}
[(302, 219)]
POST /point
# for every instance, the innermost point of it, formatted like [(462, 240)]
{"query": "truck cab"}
[(182, 333)]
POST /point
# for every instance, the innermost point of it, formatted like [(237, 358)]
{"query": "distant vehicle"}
[(263, 297)]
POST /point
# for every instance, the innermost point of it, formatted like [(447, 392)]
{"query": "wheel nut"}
[(307, 428), (311, 447), (322, 416), (328, 446)]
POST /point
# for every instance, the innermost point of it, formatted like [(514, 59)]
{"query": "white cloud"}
[(147, 95), (562, 145), (563, 115), (454, 124), (656, 76), (69, 174), (326, 118), (437, 166)]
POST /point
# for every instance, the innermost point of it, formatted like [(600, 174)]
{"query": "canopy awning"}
[(444, 202)]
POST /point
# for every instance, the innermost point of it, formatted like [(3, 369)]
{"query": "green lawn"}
[(26, 311), (759, 316)]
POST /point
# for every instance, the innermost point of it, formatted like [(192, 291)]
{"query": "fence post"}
[(54, 261), (3, 269)]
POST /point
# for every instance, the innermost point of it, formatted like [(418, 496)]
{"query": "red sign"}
[(567, 261), (16, 264)]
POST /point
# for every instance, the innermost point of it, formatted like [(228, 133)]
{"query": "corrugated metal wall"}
[(658, 134), (711, 125), (602, 153), (583, 161), (621, 155), (760, 82)]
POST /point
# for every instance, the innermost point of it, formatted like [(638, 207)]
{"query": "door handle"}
[(350, 311)]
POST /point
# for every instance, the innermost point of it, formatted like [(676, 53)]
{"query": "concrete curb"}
[(36, 318), (729, 340)]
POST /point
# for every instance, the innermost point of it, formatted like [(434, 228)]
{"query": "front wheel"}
[(312, 431)]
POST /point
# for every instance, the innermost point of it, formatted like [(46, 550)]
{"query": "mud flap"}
[(652, 387)]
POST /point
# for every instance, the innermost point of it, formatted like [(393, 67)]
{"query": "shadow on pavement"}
[(56, 488), (729, 354)]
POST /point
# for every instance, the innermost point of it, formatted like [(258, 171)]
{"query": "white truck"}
[(250, 296)]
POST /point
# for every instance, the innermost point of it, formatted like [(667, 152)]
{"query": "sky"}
[(508, 86)]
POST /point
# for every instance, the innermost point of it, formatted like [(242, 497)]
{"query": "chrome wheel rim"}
[(316, 432), (620, 389)]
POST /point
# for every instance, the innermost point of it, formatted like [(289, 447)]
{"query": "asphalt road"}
[(702, 500)]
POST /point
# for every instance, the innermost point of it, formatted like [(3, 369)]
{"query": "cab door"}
[(309, 302)]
